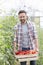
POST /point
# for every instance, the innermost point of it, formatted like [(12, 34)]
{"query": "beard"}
[(22, 20)]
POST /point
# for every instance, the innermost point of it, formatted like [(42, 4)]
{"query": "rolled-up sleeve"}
[(15, 33), (34, 32)]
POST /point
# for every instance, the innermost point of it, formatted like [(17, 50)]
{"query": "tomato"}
[(33, 52), (26, 52)]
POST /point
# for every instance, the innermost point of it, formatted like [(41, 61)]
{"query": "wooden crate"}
[(29, 57)]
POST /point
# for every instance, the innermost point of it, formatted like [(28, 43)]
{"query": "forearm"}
[(14, 43), (36, 44)]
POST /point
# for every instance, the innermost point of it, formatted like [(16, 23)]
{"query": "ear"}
[(27, 17), (18, 16)]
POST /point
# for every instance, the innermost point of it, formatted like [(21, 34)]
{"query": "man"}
[(25, 35)]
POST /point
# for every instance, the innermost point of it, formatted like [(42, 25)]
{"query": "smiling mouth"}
[(22, 20)]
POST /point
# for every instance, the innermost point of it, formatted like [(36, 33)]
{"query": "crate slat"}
[(27, 57)]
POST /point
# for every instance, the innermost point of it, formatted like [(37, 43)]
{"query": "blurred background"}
[(8, 18)]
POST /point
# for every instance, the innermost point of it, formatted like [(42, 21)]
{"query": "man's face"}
[(22, 17)]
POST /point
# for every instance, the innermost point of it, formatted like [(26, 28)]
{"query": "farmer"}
[(25, 35)]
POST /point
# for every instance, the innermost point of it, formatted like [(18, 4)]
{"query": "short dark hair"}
[(21, 11)]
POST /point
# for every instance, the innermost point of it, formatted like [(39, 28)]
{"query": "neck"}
[(23, 22)]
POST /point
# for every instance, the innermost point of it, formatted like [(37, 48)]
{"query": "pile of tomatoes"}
[(26, 52)]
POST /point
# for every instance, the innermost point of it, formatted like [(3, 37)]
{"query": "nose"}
[(22, 18)]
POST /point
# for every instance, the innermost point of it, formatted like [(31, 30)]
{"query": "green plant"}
[(6, 39)]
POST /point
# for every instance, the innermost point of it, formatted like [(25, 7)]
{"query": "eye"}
[(22, 16)]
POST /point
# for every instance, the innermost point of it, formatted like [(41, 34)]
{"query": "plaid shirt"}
[(31, 31)]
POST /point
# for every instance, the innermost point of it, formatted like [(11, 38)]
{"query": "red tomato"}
[(26, 52)]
